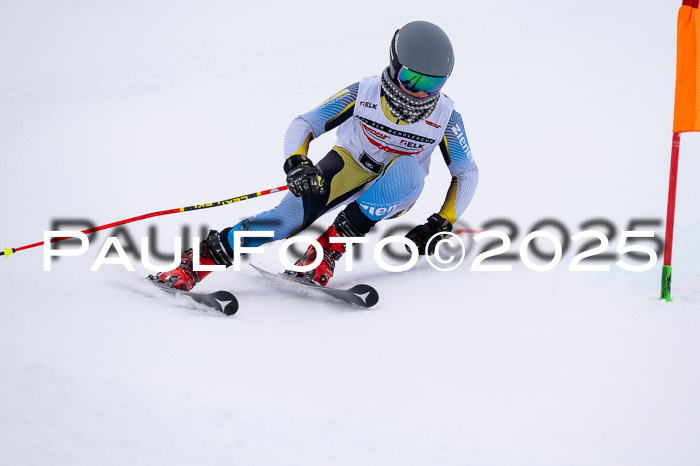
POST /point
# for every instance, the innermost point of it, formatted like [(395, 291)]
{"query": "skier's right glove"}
[(302, 177), (422, 233)]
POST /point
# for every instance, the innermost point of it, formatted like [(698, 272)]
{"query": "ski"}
[(222, 301), (359, 295)]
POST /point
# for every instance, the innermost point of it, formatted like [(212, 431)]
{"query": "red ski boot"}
[(332, 252), (184, 277)]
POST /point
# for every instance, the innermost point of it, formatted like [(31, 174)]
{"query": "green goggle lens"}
[(416, 82)]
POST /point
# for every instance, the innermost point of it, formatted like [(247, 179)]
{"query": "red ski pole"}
[(8, 251)]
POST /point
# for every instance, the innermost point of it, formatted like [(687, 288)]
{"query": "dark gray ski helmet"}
[(421, 58), (422, 47)]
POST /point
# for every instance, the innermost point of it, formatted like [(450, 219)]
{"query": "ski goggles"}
[(416, 82)]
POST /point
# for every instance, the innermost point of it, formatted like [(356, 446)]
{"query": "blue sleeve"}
[(455, 146), (332, 111), (460, 161)]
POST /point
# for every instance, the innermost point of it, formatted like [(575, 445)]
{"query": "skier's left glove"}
[(302, 177), (422, 233)]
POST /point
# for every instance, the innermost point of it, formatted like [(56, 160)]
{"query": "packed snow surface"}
[(110, 110)]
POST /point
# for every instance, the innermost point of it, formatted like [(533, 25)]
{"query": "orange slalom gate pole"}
[(686, 116)]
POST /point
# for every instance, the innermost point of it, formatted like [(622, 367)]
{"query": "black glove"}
[(422, 233), (302, 177)]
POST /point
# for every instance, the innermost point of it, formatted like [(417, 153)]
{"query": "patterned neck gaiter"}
[(404, 106)]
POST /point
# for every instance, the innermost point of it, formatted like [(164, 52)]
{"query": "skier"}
[(388, 127)]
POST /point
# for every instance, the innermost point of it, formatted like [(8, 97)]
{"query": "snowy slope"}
[(114, 109)]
